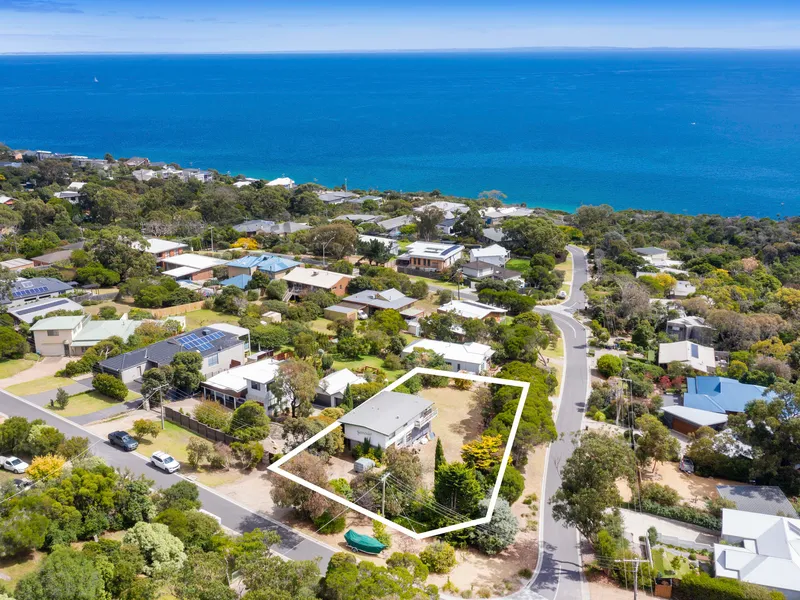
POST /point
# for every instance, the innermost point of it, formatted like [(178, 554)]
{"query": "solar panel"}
[(44, 307), (192, 341), (450, 249)]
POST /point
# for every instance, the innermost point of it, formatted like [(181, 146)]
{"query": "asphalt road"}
[(294, 545), (559, 575)]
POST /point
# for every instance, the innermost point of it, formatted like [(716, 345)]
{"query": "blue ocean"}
[(682, 131)]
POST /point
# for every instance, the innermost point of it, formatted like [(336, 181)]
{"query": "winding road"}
[(559, 573)]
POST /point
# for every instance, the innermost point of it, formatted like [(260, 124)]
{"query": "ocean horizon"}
[(693, 131)]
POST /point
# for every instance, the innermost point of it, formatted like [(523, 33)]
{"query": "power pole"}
[(383, 493), (636, 562), (161, 402), (212, 238)]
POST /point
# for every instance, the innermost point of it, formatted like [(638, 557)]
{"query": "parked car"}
[(165, 462), (686, 465), (561, 295), (123, 440), (14, 464)]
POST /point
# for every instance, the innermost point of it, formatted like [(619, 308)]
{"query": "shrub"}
[(609, 365), (62, 398), (439, 557), (197, 450), (652, 535), (326, 524), (342, 488), (686, 514), (212, 414), (701, 585), (462, 384), (143, 427), (45, 466), (110, 386), (392, 362), (162, 550), (380, 533), (661, 494), (250, 454)]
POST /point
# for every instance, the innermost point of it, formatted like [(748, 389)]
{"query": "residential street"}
[(234, 516), (559, 574)]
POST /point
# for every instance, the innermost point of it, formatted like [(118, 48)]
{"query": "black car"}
[(123, 440)]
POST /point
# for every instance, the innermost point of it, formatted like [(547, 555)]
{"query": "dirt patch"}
[(693, 489)]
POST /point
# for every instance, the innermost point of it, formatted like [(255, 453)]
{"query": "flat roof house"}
[(700, 358), (492, 234), (303, 281), (493, 216), (275, 266), (195, 267), (686, 420), (472, 357), (161, 249), (370, 300), (450, 209), (73, 335), (136, 161), (652, 254), (16, 264), (27, 291), (220, 351), (284, 182), (247, 382), (391, 245), (494, 254), (26, 313), (429, 257), (721, 394), (331, 388), (389, 419), (693, 329), (70, 196), (760, 549), (469, 309)]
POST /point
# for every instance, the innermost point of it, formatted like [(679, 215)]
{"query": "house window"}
[(254, 385), (213, 360), (52, 333)]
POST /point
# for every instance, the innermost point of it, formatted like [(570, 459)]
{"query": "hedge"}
[(693, 586), (687, 514), (110, 386)]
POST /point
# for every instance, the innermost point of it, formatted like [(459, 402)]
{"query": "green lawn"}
[(557, 351), (203, 316), (519, 264), (369, 361), (89, 402), (321, 326), (17, 567), (39, 385), (18, 365), (662, 562), (436, 282)]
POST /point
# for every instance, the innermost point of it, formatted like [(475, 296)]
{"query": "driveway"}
[(44, 398), (49, 365)]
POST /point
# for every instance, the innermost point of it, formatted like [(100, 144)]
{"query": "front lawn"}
[(43, 384), (519, 264), (89, 402), (321, 326), (662, 562), (9, 368), (366, 361), (203, 316)]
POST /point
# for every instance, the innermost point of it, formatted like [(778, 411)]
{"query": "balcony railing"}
[(425, 418)]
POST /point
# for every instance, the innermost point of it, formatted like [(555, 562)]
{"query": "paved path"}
[(559, 574), (294, 545)]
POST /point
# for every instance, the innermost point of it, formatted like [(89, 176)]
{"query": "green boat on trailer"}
[(363, 543)]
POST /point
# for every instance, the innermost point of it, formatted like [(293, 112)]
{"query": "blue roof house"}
[(269, 263), (722, 394), (239, 281)]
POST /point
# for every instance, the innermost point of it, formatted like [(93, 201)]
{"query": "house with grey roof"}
[(27, 291), (762, 499), (27, 313), (73, 335), (371, 300), (221, 350), (62, 255), (358, 218), (389, 419), (691, 328), (339, 197), (254, 227), (393, 225), (652, 253), (492, 235)]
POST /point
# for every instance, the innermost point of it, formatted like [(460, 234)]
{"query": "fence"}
[(192, 424), (170, 311)]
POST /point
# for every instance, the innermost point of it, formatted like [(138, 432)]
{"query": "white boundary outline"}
[(524, 385)]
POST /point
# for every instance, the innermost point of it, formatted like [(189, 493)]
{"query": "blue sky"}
[(308, 25)]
